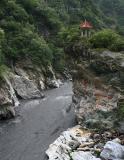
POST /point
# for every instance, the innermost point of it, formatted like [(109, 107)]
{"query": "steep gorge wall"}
[(24, 81), (98, 91)]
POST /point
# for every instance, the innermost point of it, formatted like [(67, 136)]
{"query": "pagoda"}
[(86, 28)]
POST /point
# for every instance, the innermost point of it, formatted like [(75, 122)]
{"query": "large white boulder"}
[(54, 83), (83, 156), (25, 88), (113, 150)]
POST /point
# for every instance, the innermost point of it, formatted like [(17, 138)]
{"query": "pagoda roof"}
[(86, 25)]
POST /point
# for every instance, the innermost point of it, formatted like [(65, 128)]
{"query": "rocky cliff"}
[(99, 107), (98, 90), (24, 81)]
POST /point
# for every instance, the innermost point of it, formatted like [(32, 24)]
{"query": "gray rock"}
[(6, 109), (25, 88), (81, 155), (121, 127), (42, 85), (113, 150), (74, 145), (97, 84), (7, 112), (54, 83), (20, 72), (11, 91), (65, 143), (4, 98)]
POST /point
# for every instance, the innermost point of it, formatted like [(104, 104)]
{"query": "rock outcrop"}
[(25, 88), (13, 88), (52, 81), (113, 150), (98, 90), (24, 81), (99, 107), (6, 103), (81, 144)]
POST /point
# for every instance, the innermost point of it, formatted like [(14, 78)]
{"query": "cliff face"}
[(99, 106), (24, 81), (98, 90)]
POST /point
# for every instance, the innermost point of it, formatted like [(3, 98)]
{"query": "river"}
[(38, 123)]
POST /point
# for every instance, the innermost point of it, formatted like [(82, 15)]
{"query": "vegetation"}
[(21, 37), (107, 39), (35, 29), (73, 43), (114, 11)]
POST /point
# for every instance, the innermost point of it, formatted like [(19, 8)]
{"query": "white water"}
[(12, 91)]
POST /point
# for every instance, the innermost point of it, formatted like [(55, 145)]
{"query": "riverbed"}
[(37, 124)]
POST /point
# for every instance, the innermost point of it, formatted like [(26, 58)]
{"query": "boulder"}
[(7, 112), (25, 88), (54, 83), (67, 142), (113, 150), (81, 155), (42, 85)]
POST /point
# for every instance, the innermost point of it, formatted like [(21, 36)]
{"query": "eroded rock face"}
[(54, 83), (34, 74), (98, 86), (25, 88), (98, 94), (24, 81), (6, 103)]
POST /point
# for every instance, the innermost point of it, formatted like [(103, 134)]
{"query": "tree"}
[(107, 39)]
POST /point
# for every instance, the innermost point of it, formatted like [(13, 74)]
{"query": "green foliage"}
[(27, 43), (21, 35), (67, 35), (73, 43), (120, 111), (107, 39), (58, 61), (1, 45), (3, 70), (118, 45), (35, 29), (113, 10), (74, 11)]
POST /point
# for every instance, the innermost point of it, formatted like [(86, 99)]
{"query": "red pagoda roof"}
[(86, 25)]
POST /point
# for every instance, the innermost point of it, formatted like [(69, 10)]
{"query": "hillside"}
[(36, 34), (62, 64), (29, 27), (114, 11)]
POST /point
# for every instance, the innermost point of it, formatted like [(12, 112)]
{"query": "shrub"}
[(58, 60), (27, 43), (103, 39), (107, 39), (118, 45), (3, 70)]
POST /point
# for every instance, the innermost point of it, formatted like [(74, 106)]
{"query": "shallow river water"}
[(38, 123)]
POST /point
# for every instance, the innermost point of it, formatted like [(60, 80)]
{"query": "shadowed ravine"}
[(38, 124)]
